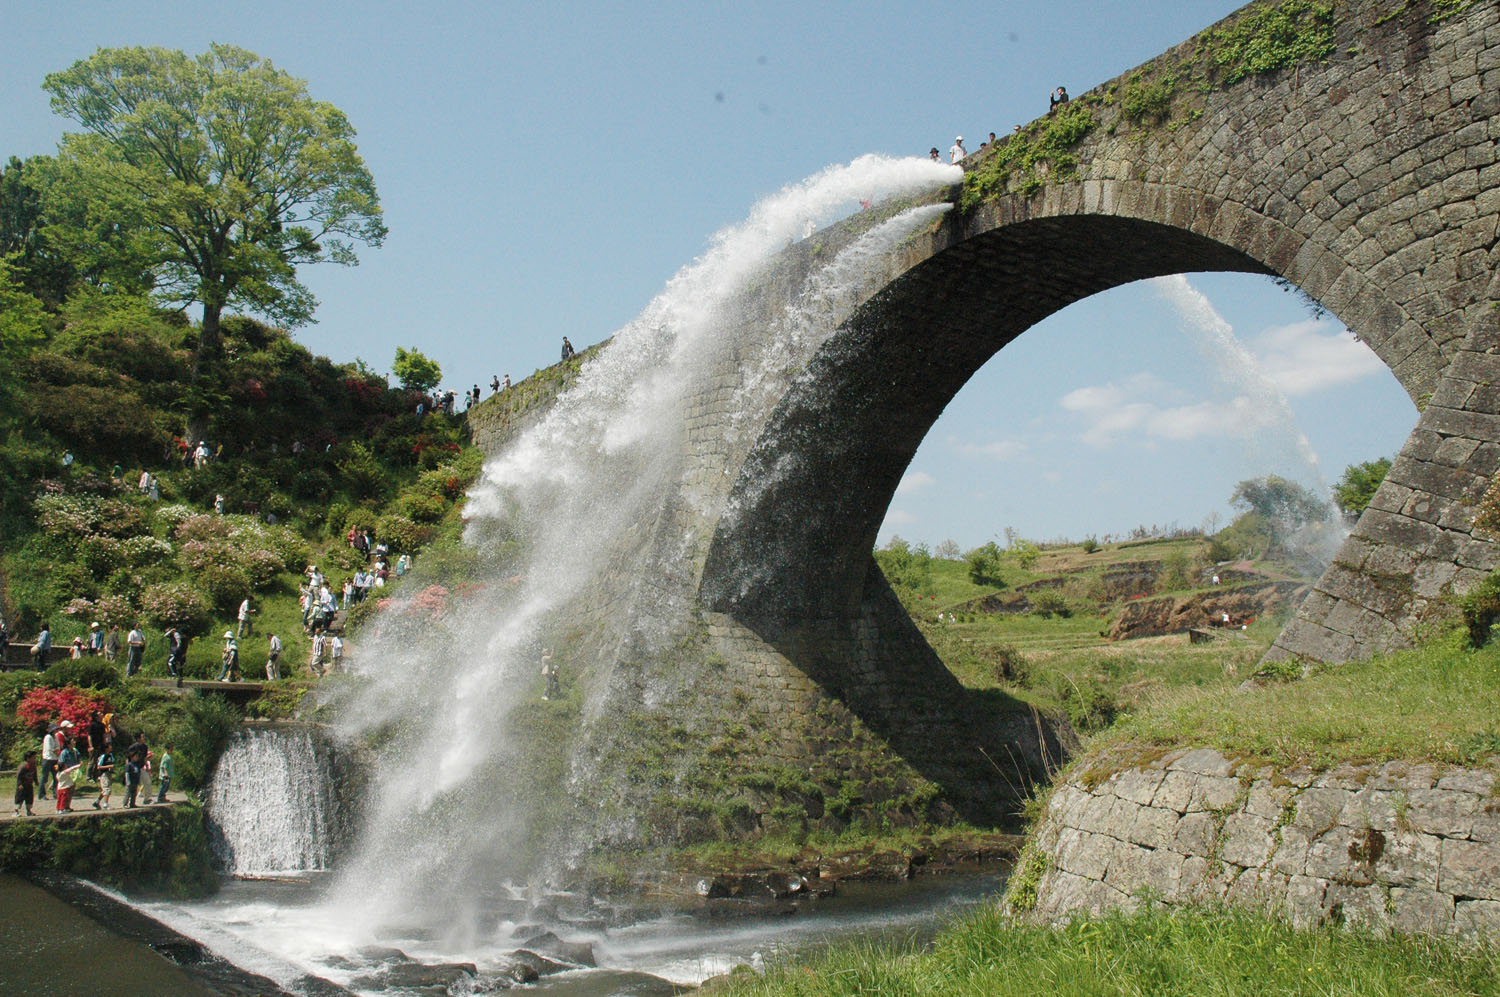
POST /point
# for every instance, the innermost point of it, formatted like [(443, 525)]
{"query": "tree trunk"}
[(209, 343)]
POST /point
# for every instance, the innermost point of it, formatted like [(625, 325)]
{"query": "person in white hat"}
[(957, 152), (231, 659), (96, 638)]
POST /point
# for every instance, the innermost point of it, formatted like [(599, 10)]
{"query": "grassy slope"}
[(1153, 953)]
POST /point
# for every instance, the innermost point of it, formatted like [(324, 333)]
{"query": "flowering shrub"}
[(43, 706), (174, 514), (432, 602), (201, 526), (175, 604), (140, 552), (76, 517)]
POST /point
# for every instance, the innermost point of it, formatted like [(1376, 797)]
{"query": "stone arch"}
[(793, 545)]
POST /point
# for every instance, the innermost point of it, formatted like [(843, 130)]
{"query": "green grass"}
[(1436, 703), (1203, 953)]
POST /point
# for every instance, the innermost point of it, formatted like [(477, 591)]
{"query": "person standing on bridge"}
[(177, 646), (934, 156), (230, 658), (567, 349), (1059, 98), (957, 152)]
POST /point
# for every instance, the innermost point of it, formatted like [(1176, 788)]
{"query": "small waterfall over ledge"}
[(274, 804)]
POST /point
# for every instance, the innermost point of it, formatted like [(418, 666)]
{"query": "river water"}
[(280, 930)]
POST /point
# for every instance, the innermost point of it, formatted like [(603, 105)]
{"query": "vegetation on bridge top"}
[(1171, 90)]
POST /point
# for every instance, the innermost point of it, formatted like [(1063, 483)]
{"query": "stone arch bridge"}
[(1369, 178)]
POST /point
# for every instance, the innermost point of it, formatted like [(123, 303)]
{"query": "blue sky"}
[(545, 168)]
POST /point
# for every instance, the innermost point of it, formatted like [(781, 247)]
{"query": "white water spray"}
[(586, 484), (1267, 424)]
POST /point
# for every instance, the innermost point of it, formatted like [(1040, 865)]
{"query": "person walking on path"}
[(230, 658), (26, 784), (168, 769), (98, 735), (147, 757), (135, 760), (177, 645), (135, 649), (68, 764), (273, 659), (104, 767), (51, 746), (336, 649), (112, 644), (549, 672)]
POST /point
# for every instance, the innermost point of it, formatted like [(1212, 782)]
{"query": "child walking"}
[(106, 766)]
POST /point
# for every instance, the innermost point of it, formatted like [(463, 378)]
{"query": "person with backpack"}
[(104, 770), (135, 760)]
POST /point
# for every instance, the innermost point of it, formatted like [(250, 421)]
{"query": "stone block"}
[(1318, 810), (1290, 856), (1083, 854), (1360, 906), (1442, 812), (1331, 857), (1470, 869), (1137, 785), (1267, 800), (1248, 840), (1175, 792), (1409, 858), (1477, 918), (1477, 781), (1196, 834), (1374, 808), (1153, 827), (1129, 867), (1419, 911), (1305, 903), (1202, 761)]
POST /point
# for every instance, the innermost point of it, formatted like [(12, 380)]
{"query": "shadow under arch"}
[(790, 559)]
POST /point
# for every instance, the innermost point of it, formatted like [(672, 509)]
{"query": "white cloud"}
[(995, 450), (913, 481), (1310, 356), (898, 517), (1116, 410)]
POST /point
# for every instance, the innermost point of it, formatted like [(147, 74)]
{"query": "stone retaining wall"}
[(1403, 847)]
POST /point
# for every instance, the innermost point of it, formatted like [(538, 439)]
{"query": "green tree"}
[(985, 564), (37, 266), (210, 177), (1025, 552), (1355, 489), (415, 370), (23, 324), (1281, 507)]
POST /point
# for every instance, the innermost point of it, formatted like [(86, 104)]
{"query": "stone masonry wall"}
[(1402, 847)]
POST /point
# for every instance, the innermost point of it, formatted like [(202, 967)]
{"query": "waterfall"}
[(583, 493), (272, 803)]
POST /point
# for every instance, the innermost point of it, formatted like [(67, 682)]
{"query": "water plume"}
[(586, 491)]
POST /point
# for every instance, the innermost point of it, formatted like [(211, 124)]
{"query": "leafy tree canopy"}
[(1358, 485), (1278, 506), (415, 370), (207, 179)]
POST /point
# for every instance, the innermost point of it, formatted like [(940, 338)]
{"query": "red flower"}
[(44, 706)]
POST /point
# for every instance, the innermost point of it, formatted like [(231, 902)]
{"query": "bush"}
[(176, 604), (84, 673), (46, 705), (1048, 602), (1481, 608), (985, 563), (401, 534)]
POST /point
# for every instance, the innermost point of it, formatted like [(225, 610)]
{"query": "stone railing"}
[(1400, 846)]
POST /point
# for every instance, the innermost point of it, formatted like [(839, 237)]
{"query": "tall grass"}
[(1203, 953)]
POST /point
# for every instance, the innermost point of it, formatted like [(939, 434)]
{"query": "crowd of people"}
[(957, 153), (100, 753)]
